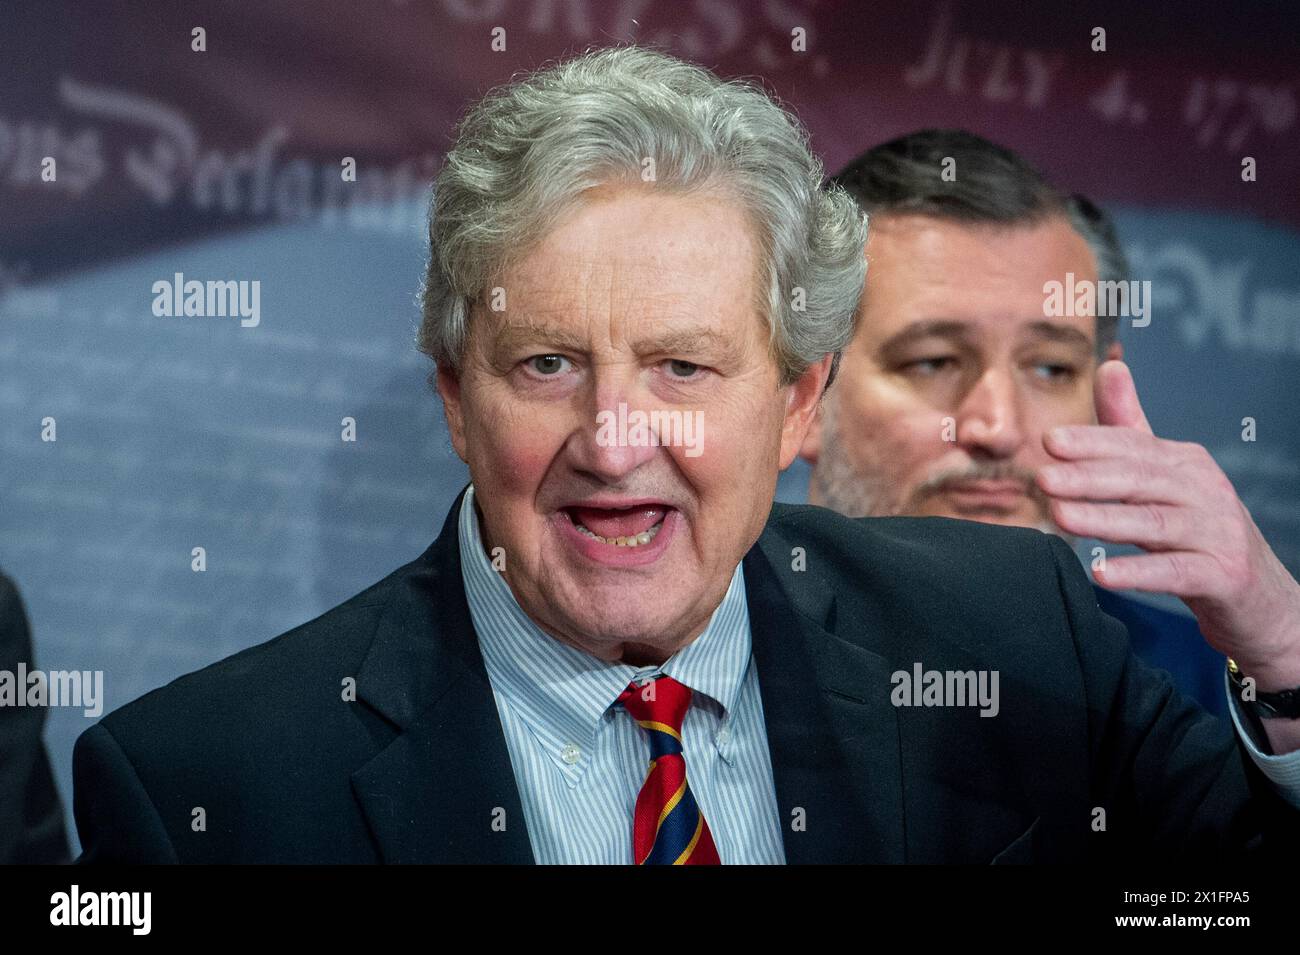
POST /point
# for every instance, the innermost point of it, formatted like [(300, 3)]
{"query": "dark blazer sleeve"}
[(116, 820), (31, 813), (1167, 774)]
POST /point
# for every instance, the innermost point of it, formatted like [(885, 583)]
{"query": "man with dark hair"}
[(957, 375), (989, 186)]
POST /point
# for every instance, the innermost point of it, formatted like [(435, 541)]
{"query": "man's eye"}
[(929, 366), (547, 365), (682, 369), (1054, 372)]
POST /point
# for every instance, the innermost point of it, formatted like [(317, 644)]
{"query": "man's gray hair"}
[(526, 153), (994, 186)]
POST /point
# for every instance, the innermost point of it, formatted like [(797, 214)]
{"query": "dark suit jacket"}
[(285, 770), (31, 815), (1172, 642)]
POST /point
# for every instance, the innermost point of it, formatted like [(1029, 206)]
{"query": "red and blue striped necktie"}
[(668, 827)]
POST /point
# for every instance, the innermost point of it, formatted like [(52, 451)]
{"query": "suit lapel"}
[(831, 729), (442, 790)]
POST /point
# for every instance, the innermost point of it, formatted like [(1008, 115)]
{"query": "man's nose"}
[(608, 442), (989, 418)]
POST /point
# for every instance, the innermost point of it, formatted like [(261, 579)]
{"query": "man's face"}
[(954, 374), (646, 301)]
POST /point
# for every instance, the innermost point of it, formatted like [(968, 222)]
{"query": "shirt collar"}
[(562, 693)]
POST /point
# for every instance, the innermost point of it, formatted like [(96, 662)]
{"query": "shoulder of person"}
[(924, 546), (913, 580)]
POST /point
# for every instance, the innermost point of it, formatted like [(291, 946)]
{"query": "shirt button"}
[(724, 734), (570, 754)]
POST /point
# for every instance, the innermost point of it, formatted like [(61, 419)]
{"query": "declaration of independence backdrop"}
[(226, 163)]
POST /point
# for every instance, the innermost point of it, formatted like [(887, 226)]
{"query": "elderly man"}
[(618, 650), (958, 394)]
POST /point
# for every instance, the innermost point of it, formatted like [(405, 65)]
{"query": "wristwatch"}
[(1283, 705)]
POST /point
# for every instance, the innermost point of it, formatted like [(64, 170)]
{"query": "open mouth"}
[(633, 526)]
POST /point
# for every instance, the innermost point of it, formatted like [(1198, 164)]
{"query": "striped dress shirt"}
[(579, 759)]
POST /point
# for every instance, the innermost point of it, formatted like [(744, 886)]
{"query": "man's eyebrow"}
[(1066, 334), (928, 328), (687, 341), (553, 335), (946, 328)]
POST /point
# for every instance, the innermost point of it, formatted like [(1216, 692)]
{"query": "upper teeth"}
[(636, 540)]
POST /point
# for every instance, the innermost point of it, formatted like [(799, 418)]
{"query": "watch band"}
[(1282, 705)]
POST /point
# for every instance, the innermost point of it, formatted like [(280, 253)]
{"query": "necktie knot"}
[(661, 701)]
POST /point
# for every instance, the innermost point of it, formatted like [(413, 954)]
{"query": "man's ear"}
[(448, 384), (802, 403), (811, 449), (1115, 352)]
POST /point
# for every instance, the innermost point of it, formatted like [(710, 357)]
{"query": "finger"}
[(1180, 573), (1132, 480), (1116, 397), (1075, 441), (1151, 526)]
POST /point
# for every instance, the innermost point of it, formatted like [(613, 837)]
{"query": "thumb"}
[(1117, 399)]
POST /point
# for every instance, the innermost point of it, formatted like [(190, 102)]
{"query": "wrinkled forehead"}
[(989, 278), (628, 267)]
